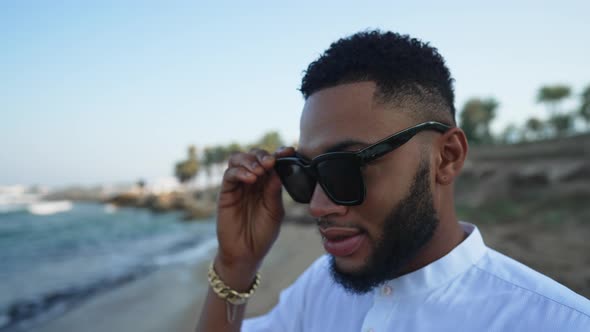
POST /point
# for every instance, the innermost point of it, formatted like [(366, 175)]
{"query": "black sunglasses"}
[(339, 173)]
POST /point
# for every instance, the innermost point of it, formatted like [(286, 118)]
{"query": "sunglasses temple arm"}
[(380, 149)]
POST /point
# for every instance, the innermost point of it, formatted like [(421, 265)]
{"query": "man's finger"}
[(265, 159), (234, 176), (248, 161), (284, 152)]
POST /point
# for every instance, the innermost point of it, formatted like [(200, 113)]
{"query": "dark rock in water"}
[(31, 309), (193, 208), (125, 199), (25, 310)]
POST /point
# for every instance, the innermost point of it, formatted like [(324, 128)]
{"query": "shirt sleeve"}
[(289, 312)]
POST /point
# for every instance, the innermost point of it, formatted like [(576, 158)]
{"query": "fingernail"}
[(266, 158)]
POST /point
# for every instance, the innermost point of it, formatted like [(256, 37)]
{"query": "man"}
[(378, 154)]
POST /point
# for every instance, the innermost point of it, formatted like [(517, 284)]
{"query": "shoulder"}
[(530, 289)]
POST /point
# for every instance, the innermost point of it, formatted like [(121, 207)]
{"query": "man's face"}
[(397, 216)]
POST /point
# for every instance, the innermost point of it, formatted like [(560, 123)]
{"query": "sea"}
[(50, 262)]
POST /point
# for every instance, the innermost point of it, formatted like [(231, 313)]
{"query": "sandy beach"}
[(170, 299)]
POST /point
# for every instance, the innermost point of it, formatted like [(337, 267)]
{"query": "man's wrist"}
[(239, 277)]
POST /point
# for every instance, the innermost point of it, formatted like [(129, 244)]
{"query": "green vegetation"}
[(553, 95), (477, 115), (584, 110), (215, 156), (270, 141), (186, 170)]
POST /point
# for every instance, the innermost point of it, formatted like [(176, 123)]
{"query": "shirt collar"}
[(446, 268)]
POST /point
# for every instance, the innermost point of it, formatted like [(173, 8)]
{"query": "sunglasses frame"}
[(360, 157)]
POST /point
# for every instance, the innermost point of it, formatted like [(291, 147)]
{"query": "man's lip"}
[(333, 232), (343, 243)]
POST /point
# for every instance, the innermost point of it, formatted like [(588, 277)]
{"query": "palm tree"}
[(220, 157), (562, 123), (552, 95), (207, 161), (270, 141), (476, 118), (585, 106), (234, 147), (535, 128), (141, 186), (187, 170)]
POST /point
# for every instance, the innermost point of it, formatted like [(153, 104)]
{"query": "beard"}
[(406, 229)]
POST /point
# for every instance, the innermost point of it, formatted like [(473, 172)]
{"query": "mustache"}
[(323, 223)]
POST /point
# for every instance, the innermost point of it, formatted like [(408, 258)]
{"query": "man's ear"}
[(452, 154)]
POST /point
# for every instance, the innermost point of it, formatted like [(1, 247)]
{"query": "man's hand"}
[(249, 215)]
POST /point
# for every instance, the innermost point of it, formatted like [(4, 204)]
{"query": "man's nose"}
[(321, 205)]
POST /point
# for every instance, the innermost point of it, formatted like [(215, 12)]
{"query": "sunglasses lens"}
[(342, 180), (295, 180)]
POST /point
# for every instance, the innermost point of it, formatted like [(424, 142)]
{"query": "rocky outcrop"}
[(547, 169), (192, 207)]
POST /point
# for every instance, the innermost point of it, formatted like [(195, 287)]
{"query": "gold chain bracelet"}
[(227, 293)]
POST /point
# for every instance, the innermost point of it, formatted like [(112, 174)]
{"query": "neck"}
[(446, 237)]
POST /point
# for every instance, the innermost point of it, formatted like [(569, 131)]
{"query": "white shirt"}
[(472, 288)]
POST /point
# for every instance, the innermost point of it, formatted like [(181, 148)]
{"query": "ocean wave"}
[(189, 256), (23, 314)]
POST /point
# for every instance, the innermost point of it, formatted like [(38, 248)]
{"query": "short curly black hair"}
[(405, 70)]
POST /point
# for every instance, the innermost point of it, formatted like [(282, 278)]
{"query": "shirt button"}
[(386, 290), (370, 330)]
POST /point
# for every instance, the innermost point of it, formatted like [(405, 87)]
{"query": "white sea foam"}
[(47, 208), (16, 199)]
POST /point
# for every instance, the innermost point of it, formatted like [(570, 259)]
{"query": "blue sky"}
[(113, 91)]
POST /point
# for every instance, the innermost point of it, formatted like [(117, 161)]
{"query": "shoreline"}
[(170, 298), (66, 259)]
